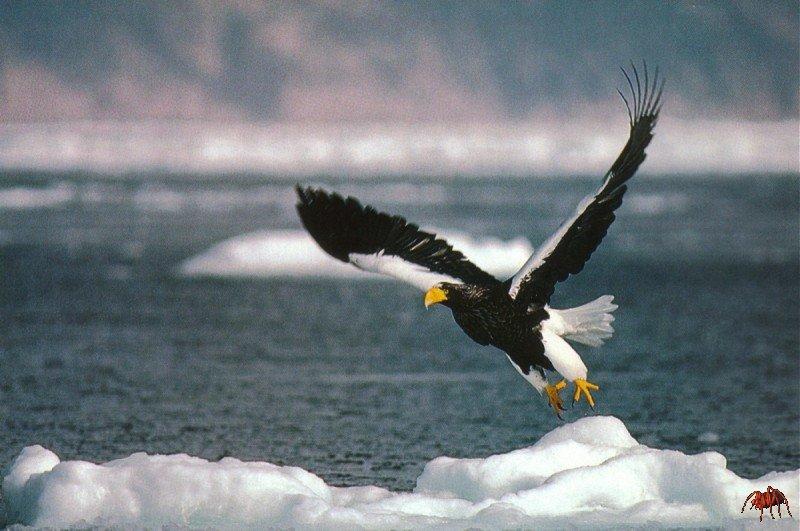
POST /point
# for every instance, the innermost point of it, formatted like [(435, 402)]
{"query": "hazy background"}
[(388, 61), (391, 87)]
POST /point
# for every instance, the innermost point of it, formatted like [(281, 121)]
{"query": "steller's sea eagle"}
[(513, 315)]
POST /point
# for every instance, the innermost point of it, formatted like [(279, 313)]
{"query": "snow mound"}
[(294, 253), (585, 474)]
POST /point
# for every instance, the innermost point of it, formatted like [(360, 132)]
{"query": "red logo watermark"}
[(767, 500)]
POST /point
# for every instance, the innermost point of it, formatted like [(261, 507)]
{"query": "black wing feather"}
[(342, 226), (587, 230)]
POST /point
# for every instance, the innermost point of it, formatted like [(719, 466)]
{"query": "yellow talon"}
[(553, 396), (584, 387)]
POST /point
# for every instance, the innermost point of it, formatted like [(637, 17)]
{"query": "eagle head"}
[(444, 293)]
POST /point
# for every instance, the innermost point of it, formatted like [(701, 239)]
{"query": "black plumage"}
[(489, 317), (589, 224), (507, 315), (342, 226)]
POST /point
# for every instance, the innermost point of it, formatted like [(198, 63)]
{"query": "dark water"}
[(105, 350)]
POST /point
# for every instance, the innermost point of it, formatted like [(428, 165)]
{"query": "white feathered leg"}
[(563, 357), (568, 363)]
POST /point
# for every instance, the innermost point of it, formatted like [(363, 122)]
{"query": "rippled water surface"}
[(106, 349)]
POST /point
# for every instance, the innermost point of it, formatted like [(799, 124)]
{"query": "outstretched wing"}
[(569, 248), (377, 242)]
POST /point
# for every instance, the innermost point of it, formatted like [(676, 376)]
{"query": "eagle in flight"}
[(513, 315)]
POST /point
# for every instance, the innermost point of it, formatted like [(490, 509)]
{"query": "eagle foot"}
[(584, 387), (554, 398)]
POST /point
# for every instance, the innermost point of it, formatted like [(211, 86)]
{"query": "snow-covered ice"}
[(584, 474), (294, 253)]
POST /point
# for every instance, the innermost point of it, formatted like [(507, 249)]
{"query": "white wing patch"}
[(396, 267), (542, 252)]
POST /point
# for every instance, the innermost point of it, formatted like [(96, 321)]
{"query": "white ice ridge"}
[(291, 150), (294, 253), (590, 473)]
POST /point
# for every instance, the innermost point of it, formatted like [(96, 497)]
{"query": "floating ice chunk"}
[(21, 487), (574, 445), (294, 253), (24, 197), (152, 490), (708, 437), (659, 203), (586, 474)]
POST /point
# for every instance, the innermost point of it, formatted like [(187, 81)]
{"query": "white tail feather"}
[(589, 324)]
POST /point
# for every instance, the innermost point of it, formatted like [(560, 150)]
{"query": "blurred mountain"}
[(389, 61)]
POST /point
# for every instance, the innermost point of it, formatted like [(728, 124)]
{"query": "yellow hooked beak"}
[(434, 295)]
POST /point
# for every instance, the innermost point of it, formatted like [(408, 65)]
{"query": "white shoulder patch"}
[(542, 252)]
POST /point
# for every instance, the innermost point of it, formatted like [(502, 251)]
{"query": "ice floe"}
[(294, 253), (292, 150), (25, 197), (590, 473)]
